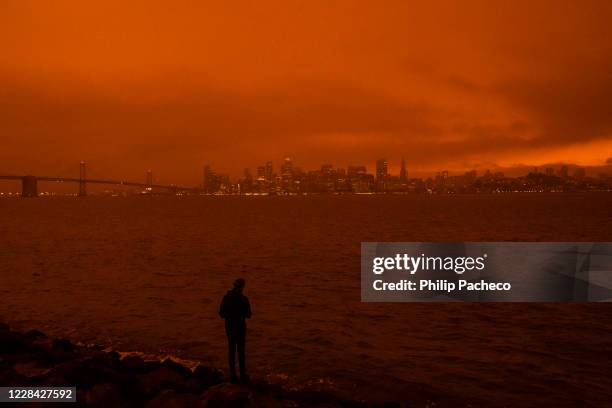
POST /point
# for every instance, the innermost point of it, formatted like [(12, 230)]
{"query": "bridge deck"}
[(102, 181)]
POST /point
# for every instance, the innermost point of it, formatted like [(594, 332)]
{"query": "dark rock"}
[(14, 342), (133, 364), (52, 357), (387, 405), (354, 404), (165, 377), (104, 395), (32, 334), (265, 387), (9, 377), (227, 395), (311, 396), (202, 371), (86, 373), (32, 371), (206, 376), (172, 399), (18, 357), (54, 379), (63, 344), (40, 343), (81, 397), (110, 360), (11, 342), (151, 365), (104, 379), (179, 368)]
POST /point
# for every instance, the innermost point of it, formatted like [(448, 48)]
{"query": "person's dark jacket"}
[(235, 309)]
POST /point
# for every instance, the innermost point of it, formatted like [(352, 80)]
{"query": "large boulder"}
[(133, 364), (32, 371), (228, 395), (54, 379), (34, 334), (63, 344), (173, 365), (173, 399), (104, 395), (12, 342), (50, 357), (10, 377), (166, 376), (86, 372), (208, 375)]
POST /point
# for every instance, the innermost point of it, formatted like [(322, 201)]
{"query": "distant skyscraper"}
[(261, 172), (287, 175), (269, 172), (382, 175), (286, 169), (247, 182), (149, 178), (210, 180), (382, 170), (356, 171), (403, 175), (563, 172)]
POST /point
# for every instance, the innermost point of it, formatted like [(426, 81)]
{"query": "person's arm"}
[(223, 308), (248, 308)]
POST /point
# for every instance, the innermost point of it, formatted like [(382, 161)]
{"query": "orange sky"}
[(173, 85)]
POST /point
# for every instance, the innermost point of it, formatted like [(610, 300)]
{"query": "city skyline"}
[(291, 179), (394, 166), (459, 87), (287, 178)]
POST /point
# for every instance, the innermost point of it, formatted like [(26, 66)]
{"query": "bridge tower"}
[(29, 186), (82, 178)]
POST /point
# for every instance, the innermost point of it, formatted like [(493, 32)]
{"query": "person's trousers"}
[(236, 341)]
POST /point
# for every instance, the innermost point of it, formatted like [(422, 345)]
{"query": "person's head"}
[(239, 284)]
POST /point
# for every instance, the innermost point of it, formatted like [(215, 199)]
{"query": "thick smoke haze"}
[(176, 85)]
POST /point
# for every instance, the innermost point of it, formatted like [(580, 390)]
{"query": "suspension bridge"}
[(29, 183)]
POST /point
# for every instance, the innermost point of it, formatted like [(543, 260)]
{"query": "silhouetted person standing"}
[(235, 309)]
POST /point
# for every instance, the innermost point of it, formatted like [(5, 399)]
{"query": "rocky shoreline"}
[(108, 379)]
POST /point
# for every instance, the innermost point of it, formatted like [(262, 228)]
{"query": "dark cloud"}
[(238, 85), (570, 104), (179, 127), (201, 123)]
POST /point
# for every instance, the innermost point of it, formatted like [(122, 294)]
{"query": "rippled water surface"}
[(147, 273)]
